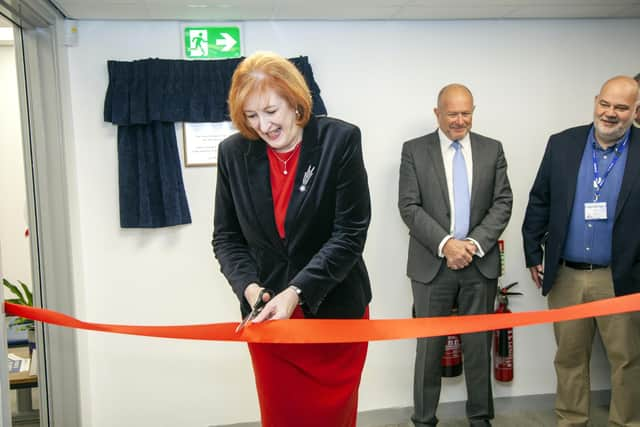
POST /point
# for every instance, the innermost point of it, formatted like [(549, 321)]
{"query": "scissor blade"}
[(257, 308), (244, 322)]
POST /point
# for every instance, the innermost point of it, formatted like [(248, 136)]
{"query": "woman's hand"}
[(280, 307), (251, 293)]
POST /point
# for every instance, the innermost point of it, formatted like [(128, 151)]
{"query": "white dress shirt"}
[(447, 156)]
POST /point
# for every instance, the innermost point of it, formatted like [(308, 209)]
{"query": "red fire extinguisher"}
[(452, 358), (451, 361), (503, 339)]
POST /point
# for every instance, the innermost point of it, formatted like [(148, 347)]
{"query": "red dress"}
[(311, 385)]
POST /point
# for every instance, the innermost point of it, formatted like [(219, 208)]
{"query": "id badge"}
[(595, 210)]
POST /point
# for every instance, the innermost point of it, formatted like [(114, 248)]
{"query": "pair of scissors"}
[(256, 309)]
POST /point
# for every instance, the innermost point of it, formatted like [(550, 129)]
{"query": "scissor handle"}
[(256, 309), (260, 302)]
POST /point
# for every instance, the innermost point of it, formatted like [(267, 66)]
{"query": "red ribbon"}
[(299, 331)]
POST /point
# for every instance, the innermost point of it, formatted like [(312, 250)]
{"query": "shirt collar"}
[(445, 142), (592, 140)]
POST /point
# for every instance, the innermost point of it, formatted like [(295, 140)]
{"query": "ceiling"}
[(244, 10), (3, 22), (6, 32)]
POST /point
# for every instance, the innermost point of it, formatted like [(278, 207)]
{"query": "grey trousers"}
[(473, 294)]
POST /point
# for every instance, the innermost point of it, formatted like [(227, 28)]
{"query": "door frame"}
[(44, 99)]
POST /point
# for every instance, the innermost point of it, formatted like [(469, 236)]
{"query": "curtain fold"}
[(150, 177), (144, 98)]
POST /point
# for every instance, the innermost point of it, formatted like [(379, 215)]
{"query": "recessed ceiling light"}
[(198, 5)]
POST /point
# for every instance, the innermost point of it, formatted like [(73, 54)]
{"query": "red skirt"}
[(311, 385)]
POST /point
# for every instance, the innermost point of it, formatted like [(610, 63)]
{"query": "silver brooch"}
[(307, 177)]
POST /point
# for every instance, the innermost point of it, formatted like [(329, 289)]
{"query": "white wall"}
[(529, 78), (16, 261)]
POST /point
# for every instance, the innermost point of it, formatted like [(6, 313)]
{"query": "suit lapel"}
[(310, 153), (630, 170), (572, 161), (259, 184), (434, 154)]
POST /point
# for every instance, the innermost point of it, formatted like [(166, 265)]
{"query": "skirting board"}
[(502, 405)]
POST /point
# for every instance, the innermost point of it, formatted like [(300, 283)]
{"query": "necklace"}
[(284, 162)]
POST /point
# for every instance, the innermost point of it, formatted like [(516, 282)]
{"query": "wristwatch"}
[(298, 291)]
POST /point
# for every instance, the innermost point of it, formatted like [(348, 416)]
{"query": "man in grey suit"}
[(453, 253), (636, 122)]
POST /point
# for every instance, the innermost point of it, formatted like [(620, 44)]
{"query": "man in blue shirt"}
[(583, 217)]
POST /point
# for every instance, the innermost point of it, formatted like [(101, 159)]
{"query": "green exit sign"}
[(212, 42)]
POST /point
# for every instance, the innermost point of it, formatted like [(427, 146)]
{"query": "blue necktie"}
[(460, 193)]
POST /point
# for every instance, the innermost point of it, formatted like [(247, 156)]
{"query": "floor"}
[(530, 411), (25, 421), (519, 419), (527, 411)]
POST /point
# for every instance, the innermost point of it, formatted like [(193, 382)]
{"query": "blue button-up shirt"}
[(589, 241)]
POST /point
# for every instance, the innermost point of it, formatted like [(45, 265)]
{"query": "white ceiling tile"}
[(507, 3), (567, 11), (339, 3), (232, 13), (347, 9), (427, 12), (92, 9), (630, 11), (321, 11)]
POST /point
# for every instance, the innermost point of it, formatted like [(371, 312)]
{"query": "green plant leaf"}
[(27, 293), (14, 290), (22, 299)]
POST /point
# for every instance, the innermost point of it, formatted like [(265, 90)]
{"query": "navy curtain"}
[(144, 98)]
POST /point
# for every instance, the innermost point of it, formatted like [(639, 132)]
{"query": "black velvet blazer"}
[(326, 222)]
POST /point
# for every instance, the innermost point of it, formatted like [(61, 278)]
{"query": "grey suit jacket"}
[(425, 207)]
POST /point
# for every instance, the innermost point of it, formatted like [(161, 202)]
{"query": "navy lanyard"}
[(598, 181)]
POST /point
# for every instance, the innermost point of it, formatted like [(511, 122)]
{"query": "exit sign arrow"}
[(227, 41)]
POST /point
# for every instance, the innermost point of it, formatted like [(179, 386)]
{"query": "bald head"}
[(615, 109), (620, 83), (453, 89)]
